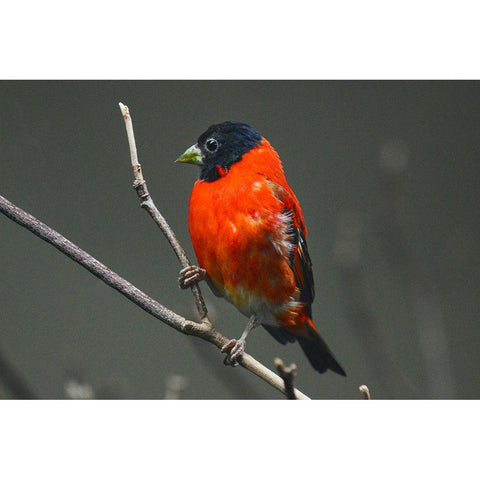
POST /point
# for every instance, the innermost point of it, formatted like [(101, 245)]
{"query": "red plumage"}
[(249, 234)]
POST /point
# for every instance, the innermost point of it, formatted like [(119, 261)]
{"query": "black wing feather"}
[(301, 264)]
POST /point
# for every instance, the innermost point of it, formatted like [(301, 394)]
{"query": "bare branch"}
[(147, 203), (365, 392), (94, 266), (202, 330), (288, 375)]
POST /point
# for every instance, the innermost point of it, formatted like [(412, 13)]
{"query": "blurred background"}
[(386, 172)]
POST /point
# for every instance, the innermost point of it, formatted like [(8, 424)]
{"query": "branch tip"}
[(124, 109), (365, 392)]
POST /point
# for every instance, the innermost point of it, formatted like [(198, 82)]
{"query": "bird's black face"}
[(219, 147)]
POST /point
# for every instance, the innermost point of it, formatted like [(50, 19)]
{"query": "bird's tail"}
[(317, 351)]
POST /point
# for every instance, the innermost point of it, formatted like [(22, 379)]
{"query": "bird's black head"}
[(219, 147)]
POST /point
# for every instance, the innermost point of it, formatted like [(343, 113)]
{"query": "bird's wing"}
[(301, 265), (300, 261)]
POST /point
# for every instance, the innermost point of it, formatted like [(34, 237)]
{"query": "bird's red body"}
[(249, 234), (240, 228)]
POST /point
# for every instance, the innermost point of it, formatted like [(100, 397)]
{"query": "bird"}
[(249, 236)]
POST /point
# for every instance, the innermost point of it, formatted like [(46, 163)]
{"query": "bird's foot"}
[(234, 350), (190, 275)]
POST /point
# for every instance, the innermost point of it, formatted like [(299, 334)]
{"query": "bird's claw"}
[(234, 350), (190, 275)]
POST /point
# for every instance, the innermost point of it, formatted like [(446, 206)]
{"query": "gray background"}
[(402, 319)]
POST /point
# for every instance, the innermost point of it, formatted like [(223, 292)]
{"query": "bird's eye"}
[(211, 145)]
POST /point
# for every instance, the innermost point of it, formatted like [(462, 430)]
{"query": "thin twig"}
[(202, 330), (288, 375), (365, 392), (94, 266), (147, 203)]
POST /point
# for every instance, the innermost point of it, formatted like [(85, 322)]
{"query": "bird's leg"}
[(190, 275), (235, 348)]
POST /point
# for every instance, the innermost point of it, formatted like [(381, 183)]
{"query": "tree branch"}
[(147, 203), (202, 330)]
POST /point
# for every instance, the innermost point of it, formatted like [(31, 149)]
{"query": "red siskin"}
[(249, 236)]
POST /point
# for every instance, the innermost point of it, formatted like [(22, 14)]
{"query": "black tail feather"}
[(314, 347), (319, 355)]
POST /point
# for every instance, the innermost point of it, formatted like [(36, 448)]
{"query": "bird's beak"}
[(192, 155)]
